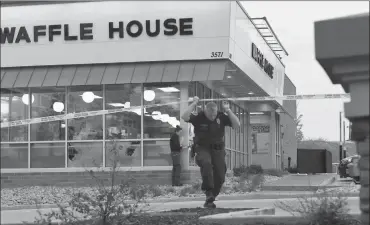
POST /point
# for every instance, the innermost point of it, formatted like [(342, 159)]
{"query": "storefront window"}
[(241, 159), (129, 153), (217, 96), (237, 131), (232, 131), (192, 89), (48, 102), (14, 106), (200, 94), (207, 94), (83, 99), (14, 156), (85, 154), (160, 121), (48, 155), (157, 153), (123, 125), (227, 159), (5, 113)]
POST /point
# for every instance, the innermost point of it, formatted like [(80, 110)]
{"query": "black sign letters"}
[(170, 26), (133, 28), (260, 59)]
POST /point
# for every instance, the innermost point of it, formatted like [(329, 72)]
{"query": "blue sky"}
[(293, 23)]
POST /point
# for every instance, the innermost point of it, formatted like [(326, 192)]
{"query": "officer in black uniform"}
[(209, 131), (176, 148)]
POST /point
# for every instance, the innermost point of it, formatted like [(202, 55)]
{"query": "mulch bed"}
[(185, 216)]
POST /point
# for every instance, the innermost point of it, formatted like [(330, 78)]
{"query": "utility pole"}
[(340, 136)]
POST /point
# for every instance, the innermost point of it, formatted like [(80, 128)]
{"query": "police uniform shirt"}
[(207, 131)]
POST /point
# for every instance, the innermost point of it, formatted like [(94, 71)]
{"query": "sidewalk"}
[(301, 182), (16, 217), (252, 196)]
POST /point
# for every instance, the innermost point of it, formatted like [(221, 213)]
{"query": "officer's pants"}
[(176, 168), (212, 168)]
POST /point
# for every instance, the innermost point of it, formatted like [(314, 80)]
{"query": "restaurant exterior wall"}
[(243, 35), (289, 126), (53, 146), (188, 27)]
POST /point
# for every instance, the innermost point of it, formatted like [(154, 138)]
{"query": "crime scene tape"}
[(110, 111)]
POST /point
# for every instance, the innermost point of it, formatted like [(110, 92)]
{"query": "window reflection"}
[(157, 153), (129, 153), (15, 103), (48, 155), (82, 99), (48, 102), (14, 156), (227, 159), (85, 154), (159, 121), (123, 125), (5, 109), (200, 94)]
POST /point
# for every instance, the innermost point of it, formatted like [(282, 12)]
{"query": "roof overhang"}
[(117, 73)]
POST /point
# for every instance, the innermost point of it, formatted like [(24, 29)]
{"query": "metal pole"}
[(344, 140), (340, 136)]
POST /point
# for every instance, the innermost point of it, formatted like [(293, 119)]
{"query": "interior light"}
[(58, 106), (228, 77), (156, 117), (88, 96), (25, 99), (250, 93), (149, 95), (165, 118), (257, 113), (127, 105), (169, 89), (118, 105)]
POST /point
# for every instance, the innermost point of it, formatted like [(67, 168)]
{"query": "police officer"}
[(209, 132), (176, 148)]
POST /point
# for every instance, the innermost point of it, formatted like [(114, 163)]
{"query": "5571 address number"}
[(217, 54)]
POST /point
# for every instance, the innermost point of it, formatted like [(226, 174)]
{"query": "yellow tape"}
[(110, 111)]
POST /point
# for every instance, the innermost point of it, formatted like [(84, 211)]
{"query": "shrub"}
[(293, 170), (249, 182), (329, 208), (252, 169), (238, 171), (187, 191), (170, 190), (275, 172), (155, 190), (106, 207), (197, 185)]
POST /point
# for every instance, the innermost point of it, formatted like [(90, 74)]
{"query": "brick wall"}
[(9, 180)]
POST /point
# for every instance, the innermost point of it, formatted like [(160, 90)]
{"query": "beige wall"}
[(288, 126)]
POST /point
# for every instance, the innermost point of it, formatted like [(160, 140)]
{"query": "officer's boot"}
[(209, 200)]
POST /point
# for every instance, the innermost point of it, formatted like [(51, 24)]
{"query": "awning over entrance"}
[(146, 72)]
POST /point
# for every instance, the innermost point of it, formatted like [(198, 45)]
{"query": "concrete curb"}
[(256, 196), (329, 181), (236, 216), (325, 184), (263, 219)]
